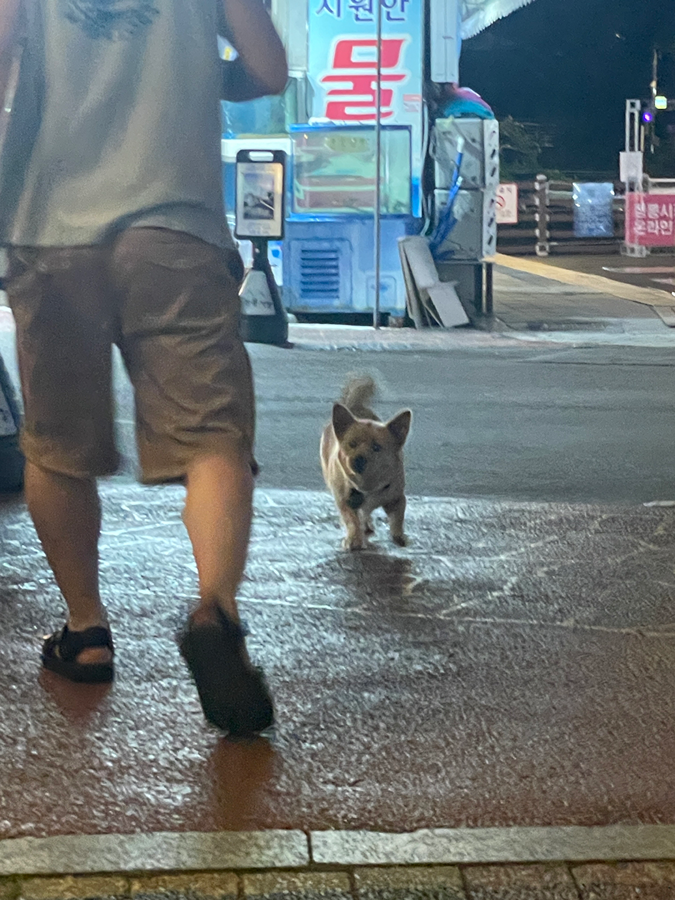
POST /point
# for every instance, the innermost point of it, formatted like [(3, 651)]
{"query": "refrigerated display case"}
[(329, 245)]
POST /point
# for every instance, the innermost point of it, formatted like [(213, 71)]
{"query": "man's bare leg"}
[(66, 513), (217, 515)]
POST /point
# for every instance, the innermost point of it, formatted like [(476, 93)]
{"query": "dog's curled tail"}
[(358, 393)]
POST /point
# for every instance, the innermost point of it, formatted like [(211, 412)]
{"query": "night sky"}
[(571, 64)]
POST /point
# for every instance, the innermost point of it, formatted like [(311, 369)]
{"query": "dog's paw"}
[(354, 542), (400, 540)]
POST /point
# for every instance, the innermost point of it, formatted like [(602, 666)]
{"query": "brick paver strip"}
[(162, 851), (538, 881), (194, 886), (620, 881), (9, 889), (432, 883), (301, 885), (493, 845), (81, 887)]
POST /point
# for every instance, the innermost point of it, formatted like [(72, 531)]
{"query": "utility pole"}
[(377, 220), (655, 90), (655, 74)]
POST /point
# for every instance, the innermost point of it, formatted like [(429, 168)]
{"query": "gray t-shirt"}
[(115, 123)]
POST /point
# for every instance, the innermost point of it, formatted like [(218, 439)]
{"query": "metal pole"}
[(629, 123), (655, 89), (378, 166)]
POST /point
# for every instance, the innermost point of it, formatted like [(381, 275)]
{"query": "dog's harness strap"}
[(356, 499)]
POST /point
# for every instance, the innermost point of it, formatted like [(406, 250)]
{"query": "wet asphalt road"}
[(538, 423)]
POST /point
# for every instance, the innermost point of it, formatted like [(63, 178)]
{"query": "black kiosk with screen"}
[(260, 214)]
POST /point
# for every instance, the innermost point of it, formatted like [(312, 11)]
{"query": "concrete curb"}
[(156, 852), (494, 845), (278, 849), (361, 338)]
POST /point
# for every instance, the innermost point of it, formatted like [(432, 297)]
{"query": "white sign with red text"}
[(507, 204)]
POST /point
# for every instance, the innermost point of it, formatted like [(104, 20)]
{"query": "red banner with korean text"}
[(650, 220)]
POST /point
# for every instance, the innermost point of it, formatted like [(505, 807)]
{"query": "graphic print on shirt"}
[(110, 19)]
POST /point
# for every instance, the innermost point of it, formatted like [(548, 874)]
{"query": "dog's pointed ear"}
[(399, 426), (342, 420)]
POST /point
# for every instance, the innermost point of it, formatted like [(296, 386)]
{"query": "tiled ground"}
[(606, 881)]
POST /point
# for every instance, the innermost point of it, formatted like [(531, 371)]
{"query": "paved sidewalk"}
[(653, 880), (656, 271), (514, 666), (535, 302)]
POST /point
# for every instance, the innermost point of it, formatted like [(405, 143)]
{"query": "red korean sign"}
[(350, 85), (650, 220)]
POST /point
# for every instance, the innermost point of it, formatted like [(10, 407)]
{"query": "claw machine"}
[(328, 249), (326, 123)]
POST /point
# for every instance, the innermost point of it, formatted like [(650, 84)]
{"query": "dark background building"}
[(565, 68)]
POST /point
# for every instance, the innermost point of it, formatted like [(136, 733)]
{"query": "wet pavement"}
[(533, 422), (514, 665)]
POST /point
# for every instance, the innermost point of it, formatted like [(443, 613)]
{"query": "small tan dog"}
[(362, 462)]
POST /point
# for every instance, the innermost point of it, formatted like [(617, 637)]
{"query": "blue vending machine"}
[(328, 249)]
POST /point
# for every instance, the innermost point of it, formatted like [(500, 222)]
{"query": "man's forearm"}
[(238, 84), (261, 57)]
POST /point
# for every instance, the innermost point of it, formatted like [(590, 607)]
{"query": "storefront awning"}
[(477, 15)]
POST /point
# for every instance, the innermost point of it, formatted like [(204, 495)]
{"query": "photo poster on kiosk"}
[(260, 186), (342, 69)]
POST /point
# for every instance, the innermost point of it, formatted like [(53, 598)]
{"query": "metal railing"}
[(659, 185), (546, 222)]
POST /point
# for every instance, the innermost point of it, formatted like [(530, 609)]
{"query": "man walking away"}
[(111, 207)]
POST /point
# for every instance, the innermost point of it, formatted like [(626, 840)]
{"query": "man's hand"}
[(260, 67)]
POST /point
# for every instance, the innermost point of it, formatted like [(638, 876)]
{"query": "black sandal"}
[(61, 649), (232, 692)]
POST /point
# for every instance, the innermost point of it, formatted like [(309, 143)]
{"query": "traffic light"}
[(651, 107)]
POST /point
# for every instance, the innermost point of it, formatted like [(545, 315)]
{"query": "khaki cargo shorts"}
[(170, 302)]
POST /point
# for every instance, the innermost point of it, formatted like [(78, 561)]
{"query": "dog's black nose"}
[(359, 464)]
